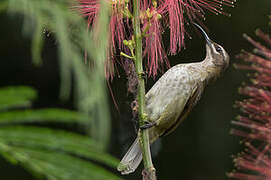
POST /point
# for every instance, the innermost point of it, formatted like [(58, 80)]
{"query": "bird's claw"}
[(147, 125), (143, 75)]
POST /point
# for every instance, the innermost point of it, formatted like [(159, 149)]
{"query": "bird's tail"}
[(131, 159)]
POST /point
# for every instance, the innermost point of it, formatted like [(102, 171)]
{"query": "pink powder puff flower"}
[(153, 46), (162, 14), (255, 123), (90, 9), (179, 12)]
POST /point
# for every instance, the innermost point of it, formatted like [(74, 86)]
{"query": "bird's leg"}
[(143, 75), (147, 125)]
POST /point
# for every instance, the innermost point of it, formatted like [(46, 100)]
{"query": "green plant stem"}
[(143, 134)]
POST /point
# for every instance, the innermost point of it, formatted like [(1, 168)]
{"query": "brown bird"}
[(174, 95)]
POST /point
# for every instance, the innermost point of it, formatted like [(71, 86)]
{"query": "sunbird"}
[(174, 95)]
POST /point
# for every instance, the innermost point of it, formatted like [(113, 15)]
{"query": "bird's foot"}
[(143, 75), (147, 125)]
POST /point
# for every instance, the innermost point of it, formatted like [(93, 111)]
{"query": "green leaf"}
[(11, 97), (3, 5), (59, 154), (54, 153), (56, 165), (73, 39), (42, 115), (37, 44), (55, 140)]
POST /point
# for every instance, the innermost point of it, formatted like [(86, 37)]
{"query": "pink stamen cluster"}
[(255, 162), (179, 12), (161, 14)]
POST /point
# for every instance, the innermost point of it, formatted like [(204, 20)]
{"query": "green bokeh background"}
[(201, 148)]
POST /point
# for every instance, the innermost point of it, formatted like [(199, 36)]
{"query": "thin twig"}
[(149, 171)]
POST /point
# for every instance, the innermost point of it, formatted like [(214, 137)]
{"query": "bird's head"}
[(215, 52)]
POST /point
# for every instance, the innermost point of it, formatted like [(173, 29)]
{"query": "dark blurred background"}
[(201, 148)]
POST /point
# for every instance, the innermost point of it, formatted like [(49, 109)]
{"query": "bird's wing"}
[(175, 83), (192, 101)]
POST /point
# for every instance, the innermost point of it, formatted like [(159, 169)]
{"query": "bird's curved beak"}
[(208, 40)]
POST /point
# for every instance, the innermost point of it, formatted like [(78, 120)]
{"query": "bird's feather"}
[(131, 159), (192, 101)]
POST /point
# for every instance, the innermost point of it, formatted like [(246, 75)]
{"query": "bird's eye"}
[(218, 49)]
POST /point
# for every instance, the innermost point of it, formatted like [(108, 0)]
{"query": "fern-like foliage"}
[(73, 41), (27, 138)]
